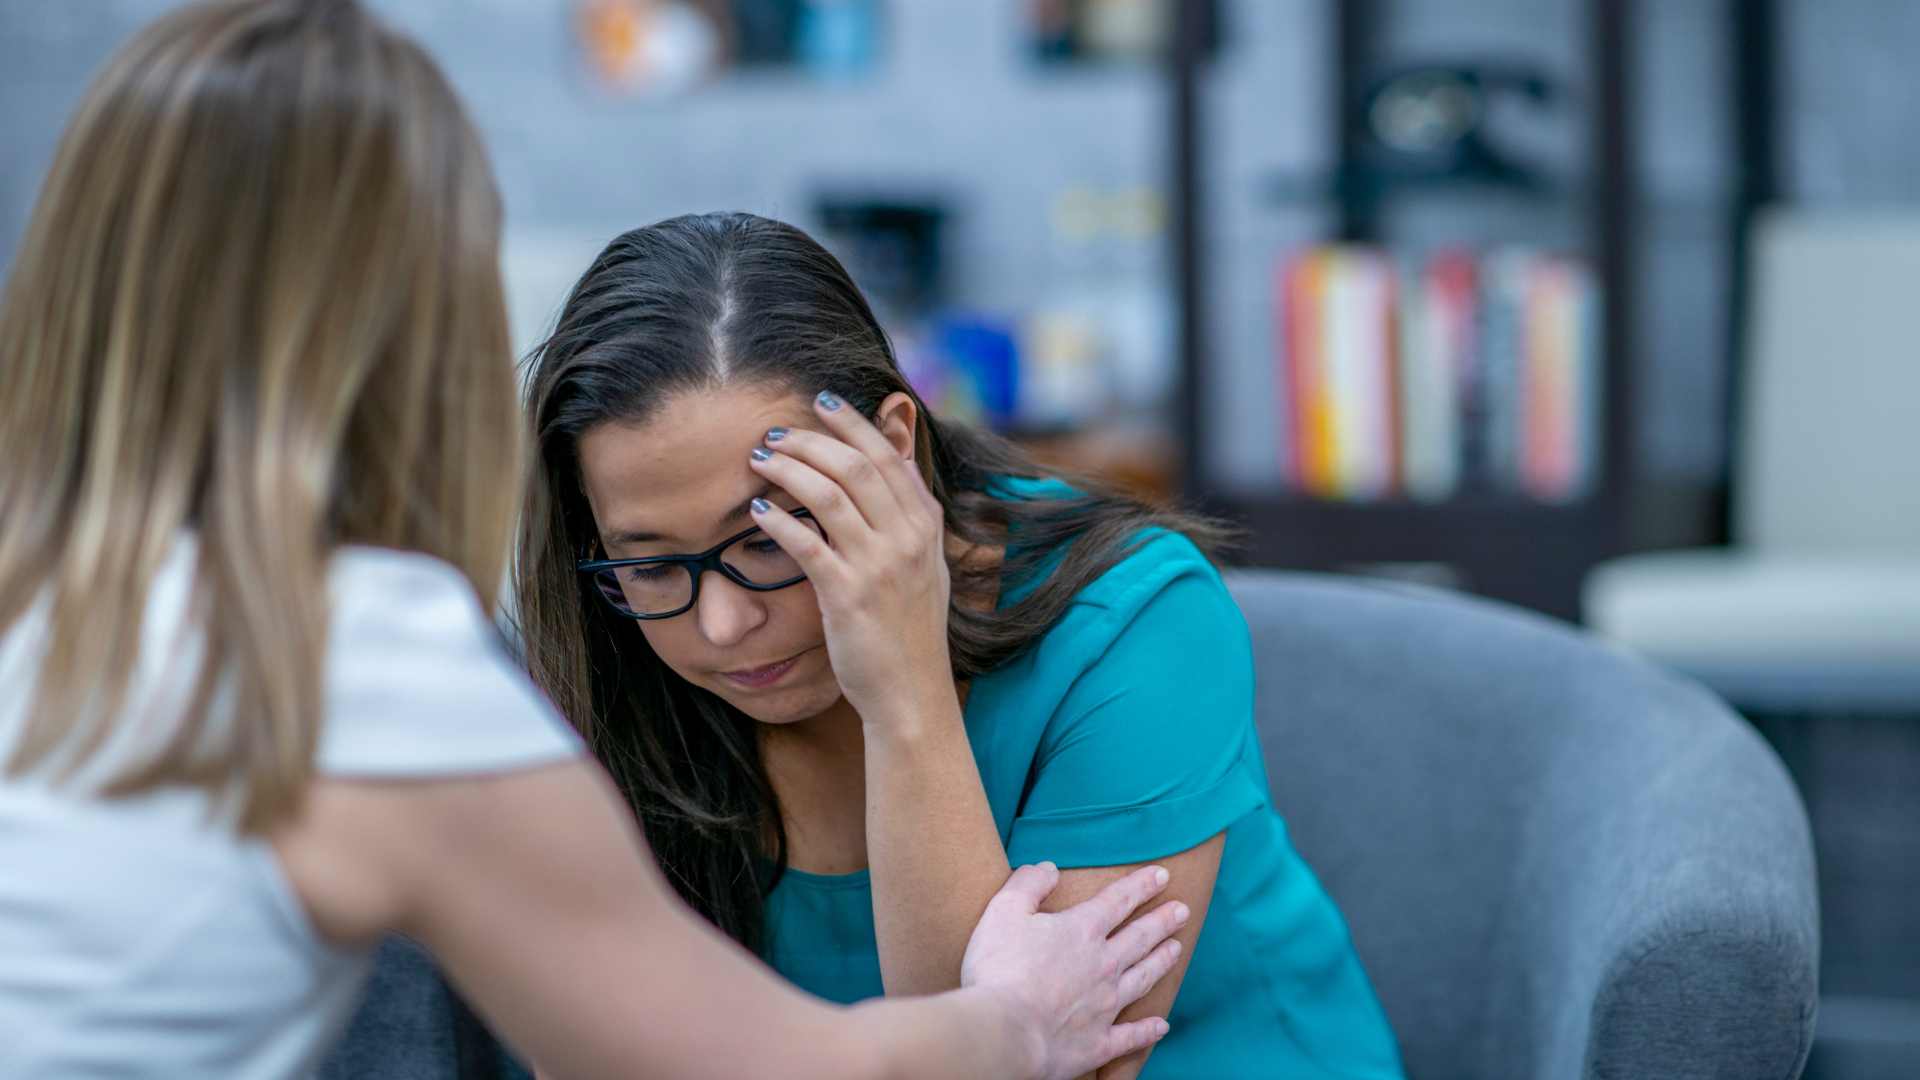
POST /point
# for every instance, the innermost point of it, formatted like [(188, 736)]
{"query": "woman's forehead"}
[(682, 475)]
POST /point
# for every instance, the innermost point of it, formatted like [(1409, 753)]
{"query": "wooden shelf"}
[(1139, 463)]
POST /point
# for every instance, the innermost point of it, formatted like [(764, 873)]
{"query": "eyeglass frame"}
[(697, 566)]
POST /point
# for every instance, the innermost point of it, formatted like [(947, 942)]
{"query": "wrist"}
[(1024, 1043), (912, 713)]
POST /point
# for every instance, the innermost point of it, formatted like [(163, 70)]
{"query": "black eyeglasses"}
[(662, 586)]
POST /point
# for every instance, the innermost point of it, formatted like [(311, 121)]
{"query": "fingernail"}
[(1180, 912), (1048, 866), (761, 506), (829, 400), (1165, 1027), (1160, 876), (776, 434), (1174, 948), (760, 453)]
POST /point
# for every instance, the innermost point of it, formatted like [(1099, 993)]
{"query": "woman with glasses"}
[(848, 661), (255, 408)]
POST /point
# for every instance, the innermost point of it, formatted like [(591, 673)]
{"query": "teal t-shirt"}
[(1126, 735)]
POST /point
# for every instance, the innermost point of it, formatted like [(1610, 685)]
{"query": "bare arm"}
[(932, 844), (1194, 872), (884, 586), (882, 578), (536, 893), (609, 974)]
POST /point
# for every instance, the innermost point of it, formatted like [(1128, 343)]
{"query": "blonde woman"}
[(257, 430)]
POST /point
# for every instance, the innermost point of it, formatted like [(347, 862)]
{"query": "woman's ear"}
[(897, 418)]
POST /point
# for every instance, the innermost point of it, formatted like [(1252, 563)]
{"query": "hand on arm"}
[(535, 892), (883, 585), (1193, 874)]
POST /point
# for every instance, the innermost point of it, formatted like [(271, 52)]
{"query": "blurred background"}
[(1606, 309)]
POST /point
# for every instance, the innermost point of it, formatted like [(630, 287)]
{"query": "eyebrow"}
[(734, 516)]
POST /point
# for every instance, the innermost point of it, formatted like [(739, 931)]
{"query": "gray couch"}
[(1556, 861)]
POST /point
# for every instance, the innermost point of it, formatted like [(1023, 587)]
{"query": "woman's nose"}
[(727, 613)]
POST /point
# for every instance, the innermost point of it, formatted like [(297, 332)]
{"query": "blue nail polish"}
[(829, 400), (776, 434), (760, 453), (761, 506)]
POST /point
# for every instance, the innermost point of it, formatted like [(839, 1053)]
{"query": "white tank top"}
[(142, 937)]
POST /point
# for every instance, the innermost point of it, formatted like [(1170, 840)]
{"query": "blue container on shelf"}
[(838, 39), (986, 353)]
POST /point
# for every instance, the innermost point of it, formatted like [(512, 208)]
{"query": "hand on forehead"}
[(682, 476)]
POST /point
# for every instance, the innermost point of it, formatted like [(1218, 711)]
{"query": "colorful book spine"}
[(1437, 310), (1298, 336), (1589, 383), (1502, 345), (1420, 379), (1561, 367), (1356, 361)]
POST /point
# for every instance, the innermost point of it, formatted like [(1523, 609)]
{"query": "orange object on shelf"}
[(611, 32)]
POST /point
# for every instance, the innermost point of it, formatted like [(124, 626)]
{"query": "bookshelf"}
[(1505, 546)]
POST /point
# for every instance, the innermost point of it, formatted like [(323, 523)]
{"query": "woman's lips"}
[(755, 678)]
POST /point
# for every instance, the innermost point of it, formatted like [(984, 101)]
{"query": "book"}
[(1426, 377)]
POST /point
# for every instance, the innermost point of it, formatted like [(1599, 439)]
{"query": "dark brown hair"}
[(736, 299)]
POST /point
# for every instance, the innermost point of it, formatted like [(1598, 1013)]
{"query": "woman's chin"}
[(787, 704)]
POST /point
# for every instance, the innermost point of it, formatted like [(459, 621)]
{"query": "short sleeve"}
[(419, 680), (1152, 750)]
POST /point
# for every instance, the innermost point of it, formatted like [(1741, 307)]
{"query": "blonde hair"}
[(258, 302)]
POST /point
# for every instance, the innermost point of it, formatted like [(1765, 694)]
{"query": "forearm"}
[(934, 850), (721, 1014), (959, 1035), (963, 1034)]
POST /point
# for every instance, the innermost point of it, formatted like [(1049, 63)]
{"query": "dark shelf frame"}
[(1193, 30), (1345, 187), (1536, 555), (1754, 28)]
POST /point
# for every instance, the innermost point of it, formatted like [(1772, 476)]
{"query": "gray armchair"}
[(1556, 861)]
